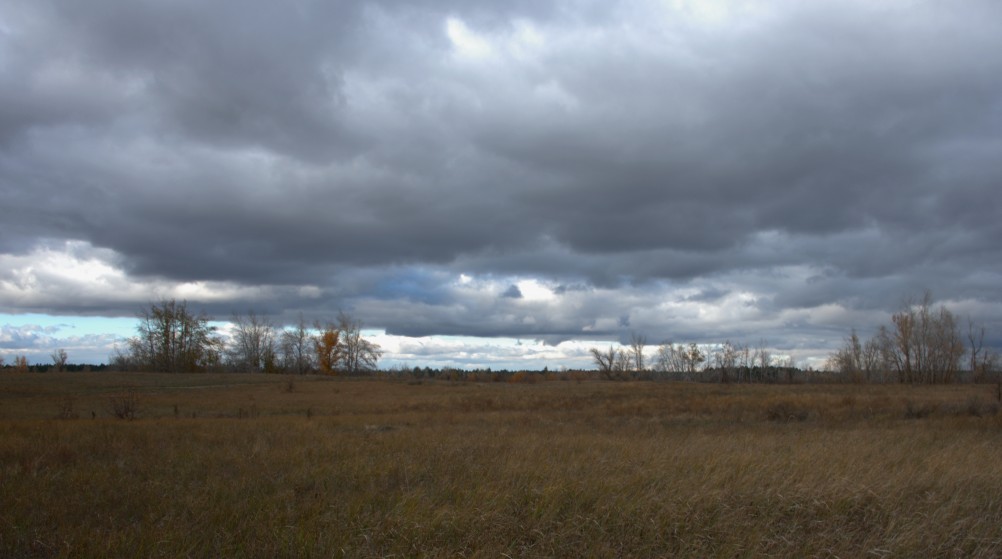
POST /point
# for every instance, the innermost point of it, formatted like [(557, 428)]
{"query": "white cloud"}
[(37, 342), (74, 274), (464, 352), (466, 42)]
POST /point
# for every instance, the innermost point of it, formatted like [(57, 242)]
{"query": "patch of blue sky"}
[(75, 326), (412, 285), (87, 339)]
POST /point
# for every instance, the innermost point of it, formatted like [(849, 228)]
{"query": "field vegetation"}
[(256, 465)]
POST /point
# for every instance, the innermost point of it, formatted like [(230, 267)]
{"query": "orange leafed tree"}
[(328, 350)]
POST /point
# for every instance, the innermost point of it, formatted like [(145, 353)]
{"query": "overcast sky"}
[(463, 175)]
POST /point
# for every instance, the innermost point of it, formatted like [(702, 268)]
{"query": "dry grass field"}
[(258, 466)]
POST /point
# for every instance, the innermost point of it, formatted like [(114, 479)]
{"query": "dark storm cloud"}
[(362, 155), (513, 292)]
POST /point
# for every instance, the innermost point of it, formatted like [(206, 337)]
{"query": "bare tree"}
[(59, 358), (744, 362), (763, 357), (253, 344), (761, 362), (976, 339), (904, 327), (21, 363), (694, 358), (982, 360), (340, 347), (670, 359), (609, 362), (725, 360), (297, 348), (679, 359), (637, 344), (171, 339), (623, 363), (357, 353), (988, 368), (847, 360), (872, 361), (925, 345), (732, 361), (946, 347)]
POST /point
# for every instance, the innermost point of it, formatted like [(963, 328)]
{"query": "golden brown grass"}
[(234, 465)]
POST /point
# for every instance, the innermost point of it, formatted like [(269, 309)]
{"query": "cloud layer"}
[(690, 169)]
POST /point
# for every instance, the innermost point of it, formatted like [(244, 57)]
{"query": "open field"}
[(253, 465)]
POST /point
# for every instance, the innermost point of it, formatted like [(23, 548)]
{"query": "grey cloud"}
[(347, 146), (513, 292)]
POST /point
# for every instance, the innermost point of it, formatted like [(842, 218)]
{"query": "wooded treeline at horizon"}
[(172, 339), (922, 344)]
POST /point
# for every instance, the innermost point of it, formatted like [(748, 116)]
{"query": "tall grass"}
[(365, 468)]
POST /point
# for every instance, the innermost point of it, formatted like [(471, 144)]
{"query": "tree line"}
[(922, 344), (727, 362), (171, 338)]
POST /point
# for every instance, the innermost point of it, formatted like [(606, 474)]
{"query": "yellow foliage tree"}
[(328, 348)]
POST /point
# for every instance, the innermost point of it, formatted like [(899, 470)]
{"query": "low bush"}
[(67, 409), (915, 410), (125, 404), (524, 378), (786, 412)]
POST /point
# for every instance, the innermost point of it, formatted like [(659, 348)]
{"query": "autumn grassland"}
[(278, 466)]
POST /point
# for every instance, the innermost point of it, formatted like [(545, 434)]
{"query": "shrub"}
[(67, 409), (124, 405), (523, 377), (976, 407), (918, 411), (786, 412)]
